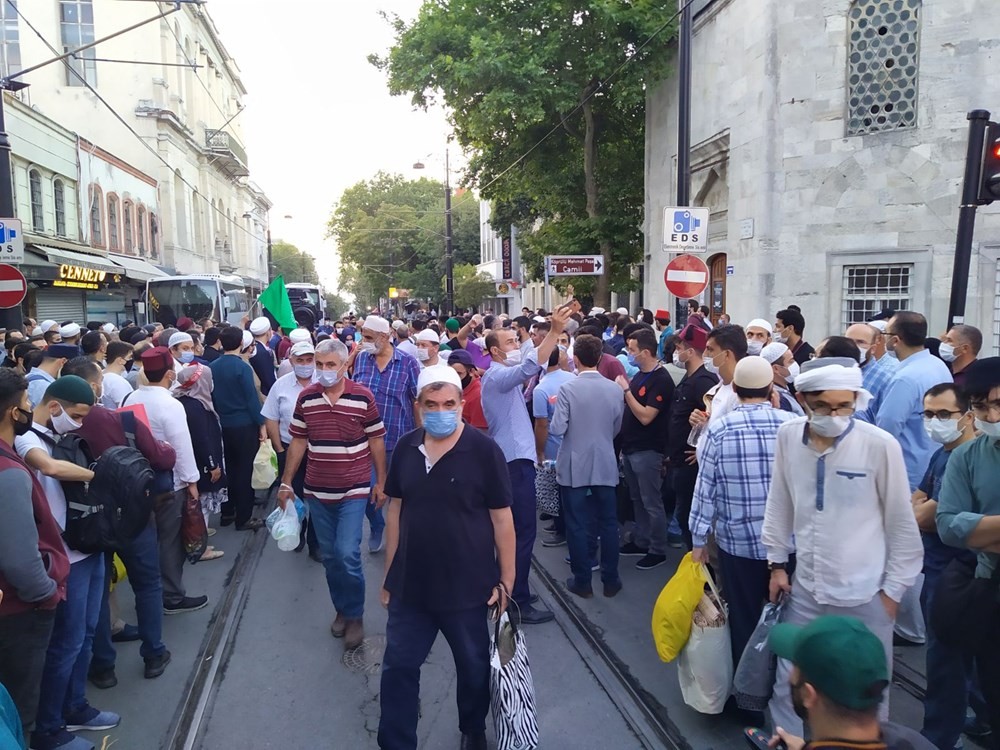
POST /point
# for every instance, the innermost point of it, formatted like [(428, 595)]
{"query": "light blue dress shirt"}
[(504, 407)]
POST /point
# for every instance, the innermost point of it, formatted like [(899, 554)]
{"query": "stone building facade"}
[(829, 140)]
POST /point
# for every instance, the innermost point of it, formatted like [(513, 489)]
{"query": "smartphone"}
[(574, 305), (759, 739)]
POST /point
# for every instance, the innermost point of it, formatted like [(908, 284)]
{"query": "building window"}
[(882, 62), (37, 209), (141, 226), (77, 26), (10, 54), (59, 194), (154, 236), (127, 225), (870, 289), (96, 217), (113, 204)]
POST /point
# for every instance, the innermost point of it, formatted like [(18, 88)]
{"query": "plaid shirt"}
[(734, 477), (395, 390), (876, 374)]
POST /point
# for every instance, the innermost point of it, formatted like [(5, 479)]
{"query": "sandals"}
[(252, 525), (211, 553)]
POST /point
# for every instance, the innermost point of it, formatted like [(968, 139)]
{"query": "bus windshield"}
[(171, 299)]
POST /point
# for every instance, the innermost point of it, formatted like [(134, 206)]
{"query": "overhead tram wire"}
[(129, 127)]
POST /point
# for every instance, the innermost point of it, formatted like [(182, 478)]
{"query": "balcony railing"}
[(229, 155)]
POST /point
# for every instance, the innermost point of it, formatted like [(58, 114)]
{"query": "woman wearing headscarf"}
[(194, 391)]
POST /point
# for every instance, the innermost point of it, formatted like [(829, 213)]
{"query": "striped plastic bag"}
[(512, 691)]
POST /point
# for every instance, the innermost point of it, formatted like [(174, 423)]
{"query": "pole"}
[(548, 289), (270, 264), (11, 317), (449, 273), (978, 120), (684, 106)]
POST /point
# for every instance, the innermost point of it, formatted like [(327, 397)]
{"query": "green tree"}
[(336, 305), (292, 263), (471, 286), (513, 73)]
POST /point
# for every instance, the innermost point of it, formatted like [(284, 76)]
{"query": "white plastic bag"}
[(265, 467), (287, 528), (705, 666), (910, 618)]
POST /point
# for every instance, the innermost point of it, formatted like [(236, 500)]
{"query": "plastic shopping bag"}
[(753, 682), (512, 691), (286, 528), (705, 666), (547, 489), (674, 607), (265, 467), (910, 618), (275, 514)]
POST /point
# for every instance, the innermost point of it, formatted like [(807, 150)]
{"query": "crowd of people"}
[(827, 478)]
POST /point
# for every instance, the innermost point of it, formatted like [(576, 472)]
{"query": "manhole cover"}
[(366, 658)]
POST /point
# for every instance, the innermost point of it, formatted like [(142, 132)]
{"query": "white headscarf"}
[(819, 376)]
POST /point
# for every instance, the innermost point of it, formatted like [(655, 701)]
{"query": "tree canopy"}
[(294, 264), (511, 73), (390, 232)]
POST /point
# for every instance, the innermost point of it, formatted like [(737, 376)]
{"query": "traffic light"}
[(989, 184)]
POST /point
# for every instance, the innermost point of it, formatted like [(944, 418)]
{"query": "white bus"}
[(196, 296), (308, 304)]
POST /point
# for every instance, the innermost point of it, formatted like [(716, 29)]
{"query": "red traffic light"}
[(989, 183)]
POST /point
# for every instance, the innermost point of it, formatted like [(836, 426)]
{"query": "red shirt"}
[(339, 459), (472, 412)]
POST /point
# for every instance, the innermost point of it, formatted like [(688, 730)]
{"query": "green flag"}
[(275, 300)]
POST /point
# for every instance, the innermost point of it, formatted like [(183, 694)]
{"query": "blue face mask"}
[(631, 360), (187, 358), (440, 424)]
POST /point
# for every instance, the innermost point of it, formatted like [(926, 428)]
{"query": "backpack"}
[(122, 488)]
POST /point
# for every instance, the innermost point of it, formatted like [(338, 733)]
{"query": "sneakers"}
[(354, 633), (339, 626), (594, 564), (187, 604), (632, 550), (60, 740), (556, 540), (92, 720), (650, 561), (103, 679), (675, 540), (376, 541), (155, 665)]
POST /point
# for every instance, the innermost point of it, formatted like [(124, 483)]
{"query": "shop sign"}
[(79, 273)]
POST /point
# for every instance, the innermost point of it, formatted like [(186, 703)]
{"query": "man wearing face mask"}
[(968, 517), (443, 570), (949, 423), (899, 411), (428, 344), (789, 325), (959, 348), (785, 370), (116, 387), (45, 373), (507, 414), (726, 346), (391, 376), (181, 347), (758, 336), (63, 705), (335, 411), (403, 342), (297, 336), (840, 487), (876, 373), (472, 406)]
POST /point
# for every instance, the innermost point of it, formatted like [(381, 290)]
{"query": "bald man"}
[(960, 348), (876, 373)]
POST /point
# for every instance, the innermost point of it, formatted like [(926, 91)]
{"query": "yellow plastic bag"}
[(674, 607), (117, 572)]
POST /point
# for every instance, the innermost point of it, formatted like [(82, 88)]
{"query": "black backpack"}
[(122, 488)]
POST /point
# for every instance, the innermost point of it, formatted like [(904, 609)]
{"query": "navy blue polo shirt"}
[(446, 558)]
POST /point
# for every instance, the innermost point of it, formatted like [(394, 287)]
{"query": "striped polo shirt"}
[(339, 461)]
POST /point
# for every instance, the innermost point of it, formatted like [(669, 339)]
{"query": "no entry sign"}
[(13, 287), (686, 276)]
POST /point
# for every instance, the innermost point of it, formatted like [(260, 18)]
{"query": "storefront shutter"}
[(60, 305)]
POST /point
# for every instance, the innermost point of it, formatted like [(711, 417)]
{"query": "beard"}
[(798, 706)]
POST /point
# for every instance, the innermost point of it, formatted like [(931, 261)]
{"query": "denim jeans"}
[(642, 472), (588, 517), (67, 660), (376, 519), (142, 566), (410, 633), (338, 531), (24, 640)]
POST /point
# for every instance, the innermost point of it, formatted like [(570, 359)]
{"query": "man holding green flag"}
[(275, 300)]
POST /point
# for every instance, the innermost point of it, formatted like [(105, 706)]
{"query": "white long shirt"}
[(849, 509), (168, 422), (280, 403)]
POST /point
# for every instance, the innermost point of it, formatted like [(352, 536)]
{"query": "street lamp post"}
[(449, 258)]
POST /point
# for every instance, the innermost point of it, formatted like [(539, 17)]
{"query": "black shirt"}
[(446, 558), (802, 351), (211, 354), (653, 388), (688, 396)]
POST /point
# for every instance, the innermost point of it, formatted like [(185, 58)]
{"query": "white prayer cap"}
[(760, 323), (69, 330), (247, 339), (299, 334), (753, 372), (833, 374), (438, 374), (48, 325), (399, 325), (596, 310), (179, 338), (302, 347), (878, 325), (622, 311), (538, 319), (427, 335), (773, 351), (376, 324), (108, 327), (37, 331), (260, 325)]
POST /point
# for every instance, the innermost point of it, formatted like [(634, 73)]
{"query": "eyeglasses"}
[(983, 408), (941, 414), (828, 411)]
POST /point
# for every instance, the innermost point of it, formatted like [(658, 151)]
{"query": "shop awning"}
[(83, 260), (137, 269)]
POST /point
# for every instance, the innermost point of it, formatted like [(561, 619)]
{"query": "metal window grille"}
[(112, 223), (58, 191), (35, 189), (883, 39), (870, 289)]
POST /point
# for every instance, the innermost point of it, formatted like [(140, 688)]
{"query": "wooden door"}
[(717, 286)]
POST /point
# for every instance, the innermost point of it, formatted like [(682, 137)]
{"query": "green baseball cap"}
[(452, 325), (838, 656)]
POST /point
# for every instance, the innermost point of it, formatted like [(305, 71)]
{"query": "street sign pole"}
[(10, 318), (548, 289)]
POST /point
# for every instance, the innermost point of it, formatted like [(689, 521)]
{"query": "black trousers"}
[(746, 583), (683, 479), (988, 670), (24, 639), (239, 445)]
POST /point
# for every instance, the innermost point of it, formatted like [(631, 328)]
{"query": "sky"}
[(318, 116)]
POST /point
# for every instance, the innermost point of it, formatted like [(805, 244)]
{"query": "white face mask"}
[(947, 352), (710, 364), (942, 431), (990, 429), (368, 346), (829, 426), (422, 354), (513, 357), (678, 362), (793, 371), (63, 423), (781, 339), (865, 350), (754, 347)]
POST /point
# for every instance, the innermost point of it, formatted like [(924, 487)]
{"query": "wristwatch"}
[(773, 566)]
